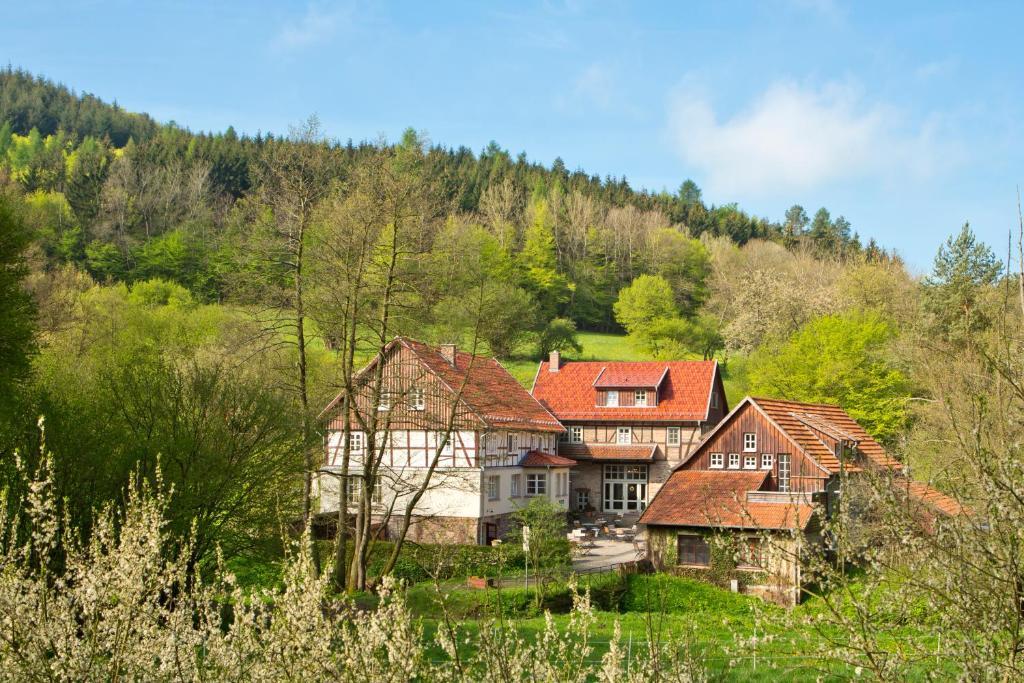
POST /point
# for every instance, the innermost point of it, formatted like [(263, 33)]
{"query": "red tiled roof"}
[(800, 420), (631, 375), (933, 498), (541, 459), (702, 498), (570, 393), (488, 390), (608, 451)]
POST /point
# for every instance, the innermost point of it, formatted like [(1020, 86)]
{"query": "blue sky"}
[(904, 117)]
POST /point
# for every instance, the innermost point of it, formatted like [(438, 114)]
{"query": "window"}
[(612, 399), (355, 442), (767, 461), (750, 553), (717, 460), (784, 472), (625, 487), (750, 462), (672, 438), (445, 441), (417, 398), (640, 397), (749, 441), (536, 484), (582, 500), (624, 435), (714, 399), (516, 479), (493, 483), (385, 401), (354, 487), (693, 551), (575, 434), (511, 443), (734, 461)]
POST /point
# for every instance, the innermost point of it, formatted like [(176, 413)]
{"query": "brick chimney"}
[(554, 361), (448, 353)]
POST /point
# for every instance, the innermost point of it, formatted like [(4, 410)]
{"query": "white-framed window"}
[(624, 435), (385, 401), (417, 398), (493, 484), (355, 442), (672, 436), (516, 479), (640, 397), (717, 460), (784, 472), (734, 461), (767, 461), (354, 487), (536, 484), (612, 399), (750, 461), (575, 434), (749, 442)]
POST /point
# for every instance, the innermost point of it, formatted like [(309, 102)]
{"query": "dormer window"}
[(640, 397), (612, 399)]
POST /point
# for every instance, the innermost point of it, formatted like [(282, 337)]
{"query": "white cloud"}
[(793, 138), (595, 84), (315, 26)]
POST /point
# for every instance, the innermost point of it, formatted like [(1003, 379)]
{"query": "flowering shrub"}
[(124, 606)]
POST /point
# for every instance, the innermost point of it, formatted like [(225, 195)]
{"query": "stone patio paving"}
[(605, 552)]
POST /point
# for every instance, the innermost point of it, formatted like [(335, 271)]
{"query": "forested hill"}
[(127, 198)]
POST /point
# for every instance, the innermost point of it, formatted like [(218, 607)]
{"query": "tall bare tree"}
[(295, 175)]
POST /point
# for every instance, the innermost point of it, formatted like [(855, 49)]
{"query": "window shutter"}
[(627, 398), (602, 398), (652, 398)]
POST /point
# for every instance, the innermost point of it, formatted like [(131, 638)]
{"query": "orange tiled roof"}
[(541, 459), (702, 498), (570, 392), (800, 420), (608, 451)]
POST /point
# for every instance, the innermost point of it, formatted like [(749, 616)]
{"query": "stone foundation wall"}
[(438, 530)]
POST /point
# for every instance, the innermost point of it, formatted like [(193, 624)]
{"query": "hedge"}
[(419, 563)]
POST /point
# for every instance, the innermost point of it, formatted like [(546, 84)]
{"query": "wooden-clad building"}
[(764, 475)]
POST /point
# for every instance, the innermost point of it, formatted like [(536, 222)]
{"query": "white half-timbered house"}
[(486, 443)]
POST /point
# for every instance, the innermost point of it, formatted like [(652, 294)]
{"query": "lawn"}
[(711, 622)]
